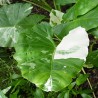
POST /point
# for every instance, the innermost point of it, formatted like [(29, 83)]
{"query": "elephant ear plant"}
[(40, 60), (49, 67), (50, 55)]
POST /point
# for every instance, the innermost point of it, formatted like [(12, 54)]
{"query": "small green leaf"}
[(85, 96), (39, 93), (94, 32), (71, 85), (66, 94), (14, 94), (92, 58), (81, 79), (61, 95)]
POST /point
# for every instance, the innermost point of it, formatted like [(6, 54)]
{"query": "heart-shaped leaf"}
[(36, 57)]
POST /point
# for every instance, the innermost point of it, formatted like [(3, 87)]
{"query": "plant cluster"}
[(50, 52)]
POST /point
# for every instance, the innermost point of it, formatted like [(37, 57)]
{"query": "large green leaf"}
[(88, 21), (64, 2), (35, 56), (80, 8), (10, 16)]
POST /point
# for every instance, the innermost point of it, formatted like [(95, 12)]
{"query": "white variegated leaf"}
[(55, 17), (74, 45)]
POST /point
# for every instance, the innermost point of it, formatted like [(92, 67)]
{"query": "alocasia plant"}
[(51, 68)]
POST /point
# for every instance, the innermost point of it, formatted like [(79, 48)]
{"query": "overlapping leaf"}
[(10, 16), (80, 8), (31, 20), (35, 57), (88, 21)]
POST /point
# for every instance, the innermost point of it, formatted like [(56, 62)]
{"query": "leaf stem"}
[(91, 46), (57, 37), (89, 83)]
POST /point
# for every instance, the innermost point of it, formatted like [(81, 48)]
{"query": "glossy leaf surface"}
[(35, 57), (80, 8)]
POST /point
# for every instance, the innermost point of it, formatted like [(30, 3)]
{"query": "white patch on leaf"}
[(74, 45), (48, 84), (55, 17)]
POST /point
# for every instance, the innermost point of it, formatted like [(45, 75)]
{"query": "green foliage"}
[(64, 2), (94, 32), (88, 21), (36, 60), (42, 4), (80, 8), (92, 58), (35, 45), (9, 19), (81, 79), (38, 93), (85, 96)]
